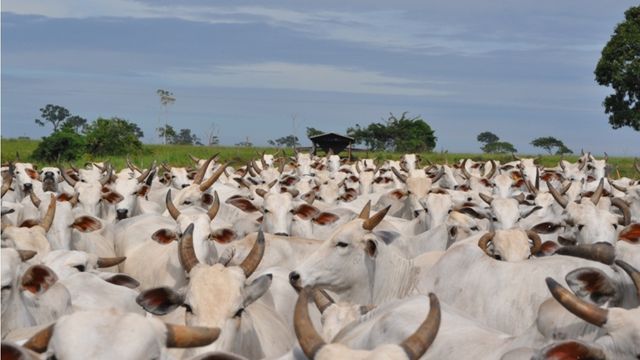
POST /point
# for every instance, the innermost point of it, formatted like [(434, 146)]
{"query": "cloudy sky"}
[(520, 69)]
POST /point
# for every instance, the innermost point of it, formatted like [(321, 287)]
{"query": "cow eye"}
[(187, 308), (265, 211), (186, 202), (80, 268), (545, 228), (342, 244), (615, 226), (497, 257)]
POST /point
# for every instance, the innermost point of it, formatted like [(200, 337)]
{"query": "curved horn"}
[(601, 252), (74, 199), (34, 199), (559, 198), (66, 177), (173, 211), (561, 164), (215, 207), (308, 338), (463, 168), (132, 166), (373, 221), (617, 187), (47, 220), (595, 198), (26, 254), (438, 175), (255, 167), (263, 162), (251, 262), (145, 173), (40, 341), (404, 167), (76, 169), (104, 180), (483, 243), (537, 242), (214, 177), (194, 159), (418, 343), (620, 204), (632, 272), (587, 312), (197, 179), (322, 299), (186, 252), (494, 167), (105, 262), (180, 336), (281, 166), (366, 210), (166, 167), (566, 188), (250, 170), (486, 198), (400, 176)]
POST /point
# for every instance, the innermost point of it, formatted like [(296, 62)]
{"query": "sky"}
[(262, 70)]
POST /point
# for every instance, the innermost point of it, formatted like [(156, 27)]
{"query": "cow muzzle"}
[(294, 280), (121, 214)]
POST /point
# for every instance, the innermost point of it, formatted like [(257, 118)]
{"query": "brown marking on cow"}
[(86, 224), (64, 197), (164, 236), (29, 223), (38, 279), (306, 212), (548, 248), (223, 236), (570, 351), (398, 194), (242, 203), (207, 199), (631, 234), (112, 197), (325, 218), (123, 280)]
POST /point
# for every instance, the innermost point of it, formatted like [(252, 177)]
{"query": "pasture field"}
[(179, 155)]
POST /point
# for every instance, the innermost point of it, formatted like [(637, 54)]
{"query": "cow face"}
[(24, 176), (277, 210)]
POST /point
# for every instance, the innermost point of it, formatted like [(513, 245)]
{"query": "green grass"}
[(179, 155)]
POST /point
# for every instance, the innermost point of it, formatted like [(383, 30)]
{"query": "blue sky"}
[(242, 69)]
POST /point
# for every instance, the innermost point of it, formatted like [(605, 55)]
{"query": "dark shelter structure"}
[(331, 141)]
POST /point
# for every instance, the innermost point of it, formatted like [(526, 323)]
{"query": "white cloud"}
[(305, 77)]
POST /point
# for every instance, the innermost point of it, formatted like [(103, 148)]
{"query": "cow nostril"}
[(121, 213), (294, 279), (282, 234), (184, 185)]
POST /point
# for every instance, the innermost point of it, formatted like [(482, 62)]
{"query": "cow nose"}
[(48, 174), (294, 279), (184, 185), (28, 187), (121, 213), (282, 234)]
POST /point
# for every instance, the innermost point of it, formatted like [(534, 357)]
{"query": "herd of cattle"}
[(472, 260)]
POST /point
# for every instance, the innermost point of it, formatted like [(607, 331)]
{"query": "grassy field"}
[(179, 155)]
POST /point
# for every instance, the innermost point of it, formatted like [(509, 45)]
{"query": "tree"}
[(113, 136), (487, 137), (499, 147), (166, 99), (63, 145), (167, 132), (286, 141), (59, 117), (311, 132), (402, 134), (619, 68), (549, 143), (185, 137)]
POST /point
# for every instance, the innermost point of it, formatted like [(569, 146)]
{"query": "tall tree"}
[(549, 143), (166, 99), (487, 137), (54, 114), (619, 68), (167, 132)]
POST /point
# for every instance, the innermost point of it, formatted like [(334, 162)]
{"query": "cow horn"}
[(366, 210), (145, 173), (74, 199), (180, 336), (400, 176), (173, 211), (197, 179), (308, 338), (537, 242), (515, 157), (559, 198), (34, 199), (48, 217), (531, 187), (281, 166), (358, 167), (105, 262), (622, 205), (66, 177), (561, 164), (322, 299), (587, 312), (373, 221), (633, 273), (104, 180), (483, 243), (486, 198), (463, 167), (566, 188), (494, 167), (255, 167), (40, 341), (132, 166), (186, 252), (26, 254), (617, 187), (194, 159), (418, 343), (264, 163), (215, 207), (214, 177), (438, 176), (250, 170), (166, 167), (601, 252), (75, 168), (251, 262), (595, 198)]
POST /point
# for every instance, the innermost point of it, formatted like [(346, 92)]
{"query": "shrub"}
[(63, 145), (113, 136)]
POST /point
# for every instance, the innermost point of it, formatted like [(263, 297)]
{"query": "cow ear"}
[(256, 289), (591, 284), (325, 218), (29, 223), (123, 280), (32, 173), (571, 349), (160, 301), (143, 191), (207, 199), (86, 224), (548, 248), (243, 204), (164, 236), (306, 211), (631, 234), (112, 197), (348, 196), (223, 236), (38, 279), (371, 247), (398, 194)]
